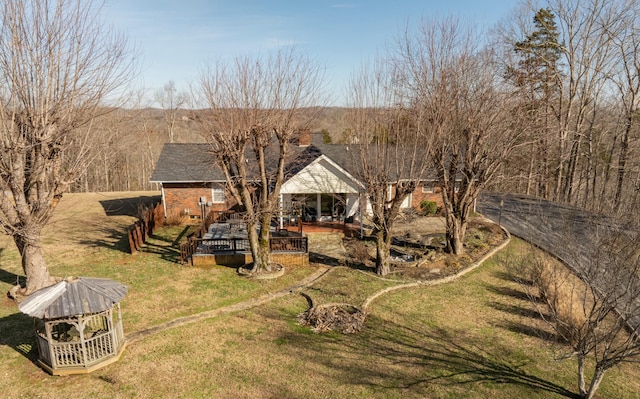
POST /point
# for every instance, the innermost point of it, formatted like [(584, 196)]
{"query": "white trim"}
[(188, 181), (407, 202), (164, 200), (306, 180), (340, 168)]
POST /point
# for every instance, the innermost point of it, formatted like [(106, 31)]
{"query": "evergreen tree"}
[(538, 79)]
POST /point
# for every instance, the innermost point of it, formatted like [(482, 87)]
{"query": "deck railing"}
[(196, 244), (288, 244), (203, 246)]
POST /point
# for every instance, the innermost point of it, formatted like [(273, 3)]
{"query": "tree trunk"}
[(595, 382), (383, 243), (531, 176), (622, 161), (572, 166), (33, 263), (259, 243), (581, 381), (455, 234)]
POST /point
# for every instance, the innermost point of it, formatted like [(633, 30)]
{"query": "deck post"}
[(281, 205), (361, 214)]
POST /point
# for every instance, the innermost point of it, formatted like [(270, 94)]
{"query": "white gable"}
[(321, 176)]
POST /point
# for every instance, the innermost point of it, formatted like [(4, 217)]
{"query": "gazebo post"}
[(112, 331), (47, 328), (81, 327)]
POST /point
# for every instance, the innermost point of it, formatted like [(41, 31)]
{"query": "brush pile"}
[(342, 317)]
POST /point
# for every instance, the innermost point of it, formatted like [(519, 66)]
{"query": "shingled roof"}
[(195, 162), (186, 163)]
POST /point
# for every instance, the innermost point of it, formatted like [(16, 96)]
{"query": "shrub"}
[(177, 219), (565, 295), (429, 207)]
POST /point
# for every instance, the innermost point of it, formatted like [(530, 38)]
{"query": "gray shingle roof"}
[(186, 163), (194, 162)]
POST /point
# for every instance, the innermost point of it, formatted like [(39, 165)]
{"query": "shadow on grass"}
[(522, 311), (170, 253), (535, 332), (317, 257), (116, 239), (417, 359), (512, 293), (127, 206), (178, 239), (112, 239), (527, 309), (18, 334), (11, 278)]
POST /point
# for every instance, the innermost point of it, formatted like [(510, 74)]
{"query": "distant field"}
[(473, 338)]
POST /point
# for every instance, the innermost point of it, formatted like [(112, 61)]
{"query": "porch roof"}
[(322, 175)]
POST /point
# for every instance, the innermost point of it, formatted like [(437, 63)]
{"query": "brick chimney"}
[(304, 138)]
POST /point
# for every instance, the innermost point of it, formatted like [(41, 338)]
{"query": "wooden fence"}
[(150, 217)]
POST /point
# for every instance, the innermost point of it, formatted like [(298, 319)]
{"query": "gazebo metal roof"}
[(72, 297)]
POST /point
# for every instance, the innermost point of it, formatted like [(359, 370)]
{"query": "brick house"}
[(320, 183), (190, 181)]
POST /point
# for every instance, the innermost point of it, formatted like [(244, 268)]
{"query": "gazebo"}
[(78, 324)]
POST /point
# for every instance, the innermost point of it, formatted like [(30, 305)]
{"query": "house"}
[(320, 184)]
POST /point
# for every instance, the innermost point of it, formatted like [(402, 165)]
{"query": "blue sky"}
[(175, 39)]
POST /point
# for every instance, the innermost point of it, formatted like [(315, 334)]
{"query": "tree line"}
[(575, 69)]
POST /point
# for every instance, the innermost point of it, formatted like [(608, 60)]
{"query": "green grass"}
[(473, 338)]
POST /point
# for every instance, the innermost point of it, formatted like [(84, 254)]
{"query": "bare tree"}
[(465, 110), (625, 36), (392, 151), (58, 64), (255, 106), (589, 96), (593, 306), (171, 102)]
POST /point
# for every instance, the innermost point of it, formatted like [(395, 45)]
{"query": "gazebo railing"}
[(82, 352)]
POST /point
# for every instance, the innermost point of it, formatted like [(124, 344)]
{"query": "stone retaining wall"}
[(241, 259)]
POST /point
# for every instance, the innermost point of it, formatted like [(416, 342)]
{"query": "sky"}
[(176, 39)]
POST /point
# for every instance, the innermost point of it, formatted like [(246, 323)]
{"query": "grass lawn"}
[(476, 337)]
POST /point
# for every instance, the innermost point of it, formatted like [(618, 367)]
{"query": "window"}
[(428, 187), (217, 195)]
